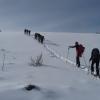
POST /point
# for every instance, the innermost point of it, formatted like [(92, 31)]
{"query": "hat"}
[(76, 43)]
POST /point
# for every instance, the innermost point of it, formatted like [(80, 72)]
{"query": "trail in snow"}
[(65, 60), (55, 54), (58, 56)]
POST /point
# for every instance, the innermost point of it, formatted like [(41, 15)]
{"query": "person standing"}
[(79, 51), (95, 58)]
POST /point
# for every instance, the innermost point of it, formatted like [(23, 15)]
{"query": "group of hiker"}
[(94, 59), (95, 53), (39, 37), (27, 31)]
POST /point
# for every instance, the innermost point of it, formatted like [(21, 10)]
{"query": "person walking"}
[(95, 58), (79, 51)]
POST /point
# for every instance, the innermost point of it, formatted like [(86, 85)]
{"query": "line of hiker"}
[(39, 37), (94, 59), (27, 32)]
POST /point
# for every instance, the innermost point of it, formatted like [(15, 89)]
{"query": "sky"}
[(50, 15)]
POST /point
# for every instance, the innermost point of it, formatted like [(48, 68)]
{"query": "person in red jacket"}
[(79, 52)]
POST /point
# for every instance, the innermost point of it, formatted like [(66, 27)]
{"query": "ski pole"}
[(85, 61), (89, 67), (67, 53)]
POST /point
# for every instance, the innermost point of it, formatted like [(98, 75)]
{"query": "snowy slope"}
[(57, 79)]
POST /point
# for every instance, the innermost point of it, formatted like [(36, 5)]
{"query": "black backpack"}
[(95, 53)]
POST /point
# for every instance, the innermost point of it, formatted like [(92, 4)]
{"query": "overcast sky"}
[(50, 15)]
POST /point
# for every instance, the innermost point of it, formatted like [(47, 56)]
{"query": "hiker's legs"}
[(78, 61), (92, 67), (97, 68)]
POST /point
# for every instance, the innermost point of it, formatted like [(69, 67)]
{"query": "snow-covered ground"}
[(57, 79)]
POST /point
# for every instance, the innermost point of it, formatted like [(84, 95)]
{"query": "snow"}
[(58, 78)]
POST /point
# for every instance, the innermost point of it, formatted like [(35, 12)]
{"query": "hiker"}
[(36, 35), (42, 39), (79, 51), (25, 30), (95, 58), (39, 37), (29, 32)]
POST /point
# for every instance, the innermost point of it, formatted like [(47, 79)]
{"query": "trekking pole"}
[(67, 53), (89, 68), (85, 61)]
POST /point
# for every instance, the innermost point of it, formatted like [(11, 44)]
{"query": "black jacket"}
[(95, 55)]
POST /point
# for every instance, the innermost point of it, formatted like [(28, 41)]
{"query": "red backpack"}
[(81, 49)]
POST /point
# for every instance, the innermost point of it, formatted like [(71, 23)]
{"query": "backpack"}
[(95, 53), (81, 49)]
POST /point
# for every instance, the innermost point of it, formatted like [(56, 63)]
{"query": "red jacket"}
[(78, 51)]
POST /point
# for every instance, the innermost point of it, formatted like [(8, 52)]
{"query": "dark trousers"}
[(97, 67), (78, 61)]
